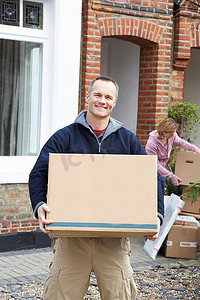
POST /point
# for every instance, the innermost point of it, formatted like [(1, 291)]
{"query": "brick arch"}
[(131, 27)]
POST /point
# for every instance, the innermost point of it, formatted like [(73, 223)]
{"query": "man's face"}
[(102, 98)]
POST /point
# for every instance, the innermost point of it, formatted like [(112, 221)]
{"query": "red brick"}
[(4, 231), (5, 224), (10, 194), (25, 223), (34, 222), (15, 224), (13, 230)]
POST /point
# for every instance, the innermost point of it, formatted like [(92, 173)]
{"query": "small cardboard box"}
[(187, 167), (186, 221), (190, 207), (181, 242), (102, 195), (190, 214)]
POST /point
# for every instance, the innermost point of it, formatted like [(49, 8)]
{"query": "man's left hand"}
[(155, 236)]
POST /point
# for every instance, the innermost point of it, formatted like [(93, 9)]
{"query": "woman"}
[(160, 143)]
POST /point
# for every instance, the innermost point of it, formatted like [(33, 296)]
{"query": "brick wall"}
[(146, 23), (90, 51), (15, 209), (186, 36), (165, 34)]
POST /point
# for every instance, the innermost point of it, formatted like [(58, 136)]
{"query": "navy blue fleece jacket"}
[(79, 137)]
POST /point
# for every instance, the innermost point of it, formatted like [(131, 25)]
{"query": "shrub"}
[(187, 117)]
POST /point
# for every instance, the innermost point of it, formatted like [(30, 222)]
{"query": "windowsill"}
[(16, 169)]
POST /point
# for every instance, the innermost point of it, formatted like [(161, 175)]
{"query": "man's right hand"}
[(42, 210)]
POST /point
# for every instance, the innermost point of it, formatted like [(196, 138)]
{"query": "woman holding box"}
[(160, 143)]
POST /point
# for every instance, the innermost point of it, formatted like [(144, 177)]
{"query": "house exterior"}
[(151, 48)]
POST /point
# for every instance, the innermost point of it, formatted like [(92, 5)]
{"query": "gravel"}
[(158, 282)]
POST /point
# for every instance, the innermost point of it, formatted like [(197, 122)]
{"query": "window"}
[(32, 13), (9, 12), (20, 79), (39, 78), (20, 97)]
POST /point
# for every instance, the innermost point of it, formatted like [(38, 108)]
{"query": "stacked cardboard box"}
[(186, 221), (190, 221), (181, 241), (189, 207), (192, 209), (187, 167)]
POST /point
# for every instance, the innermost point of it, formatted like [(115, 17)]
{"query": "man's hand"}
[(42, 210), (155, 236)]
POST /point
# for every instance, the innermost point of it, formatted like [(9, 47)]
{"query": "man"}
[(93, 131)]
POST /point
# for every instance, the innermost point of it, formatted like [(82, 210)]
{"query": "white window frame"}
[(60, 76)]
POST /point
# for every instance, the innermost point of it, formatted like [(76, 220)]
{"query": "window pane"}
[(33, 15), (20, 97), (9, 12)]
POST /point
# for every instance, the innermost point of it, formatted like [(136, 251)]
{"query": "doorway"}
[(191, 91), (120, 60)]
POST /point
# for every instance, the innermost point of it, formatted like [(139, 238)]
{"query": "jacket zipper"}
[(99, 143), (99, 147)]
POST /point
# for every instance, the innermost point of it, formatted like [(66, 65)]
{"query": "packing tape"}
[(188, 244), (169, 243), (103, 225)]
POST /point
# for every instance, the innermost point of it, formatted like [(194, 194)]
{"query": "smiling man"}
[(93, 132), (101, 99)]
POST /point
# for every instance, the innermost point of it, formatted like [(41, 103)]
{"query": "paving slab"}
[(33, 264)]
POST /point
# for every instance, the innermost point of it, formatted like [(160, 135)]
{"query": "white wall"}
[(192, 84), (66, 43), (120, 60)]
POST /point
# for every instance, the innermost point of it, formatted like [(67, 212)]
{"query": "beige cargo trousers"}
[(75, 258)]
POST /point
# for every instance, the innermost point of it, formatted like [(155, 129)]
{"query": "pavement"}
[(25, 266)]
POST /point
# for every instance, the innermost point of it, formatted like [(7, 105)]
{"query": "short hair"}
[(167, 125), (104, 78)]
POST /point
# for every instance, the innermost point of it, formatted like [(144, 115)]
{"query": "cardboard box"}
[(102, 195), (187, 167), (197, 216), (189, 206), (186, 221), (181, 242)]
